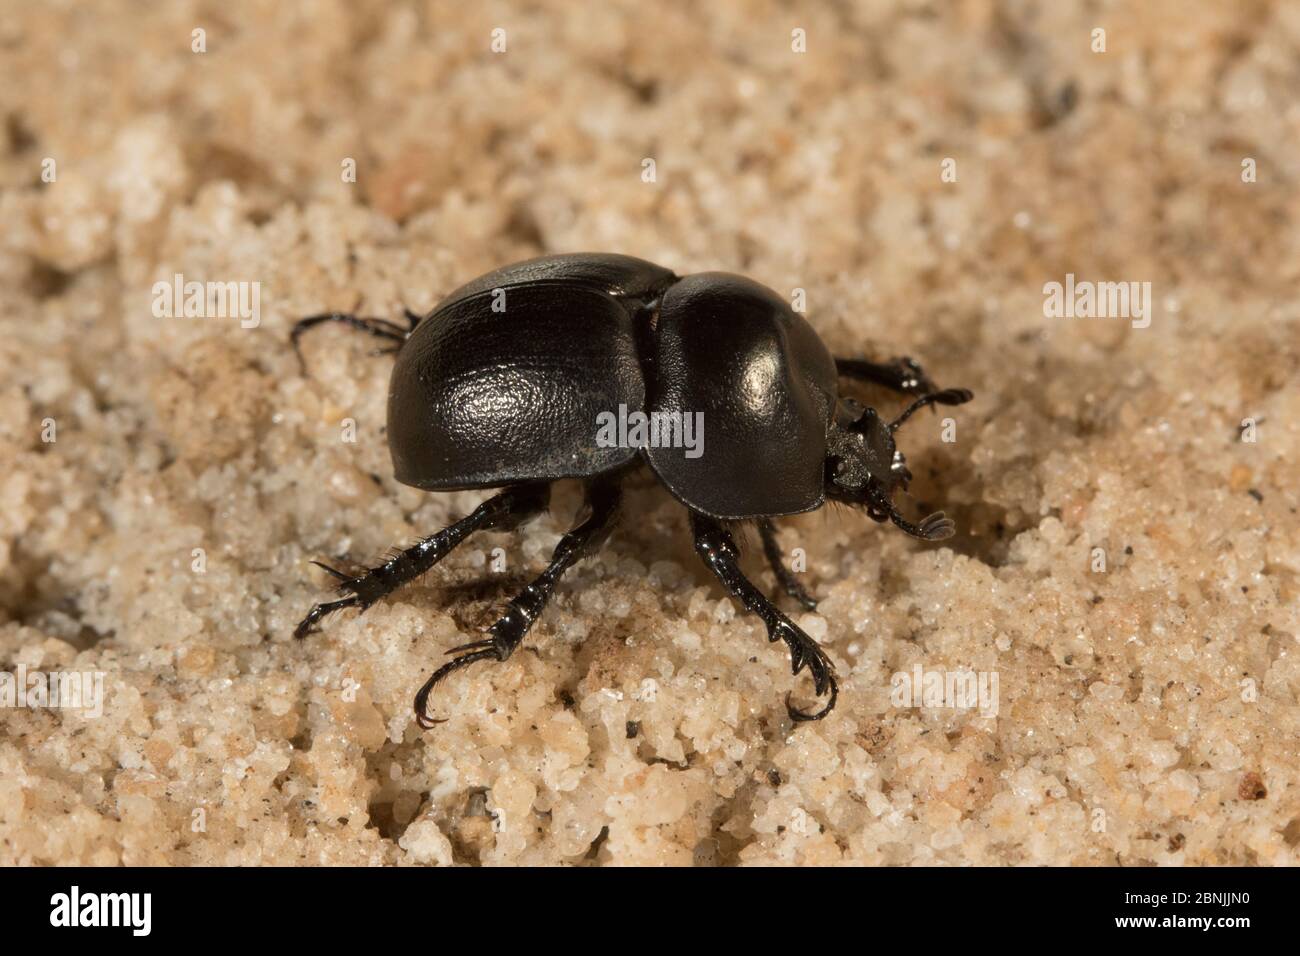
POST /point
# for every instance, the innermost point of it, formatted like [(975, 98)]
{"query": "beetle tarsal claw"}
[(469, 653), (805, 652), (802, 716)]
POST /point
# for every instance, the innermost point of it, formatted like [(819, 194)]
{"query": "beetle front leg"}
[(717, 549), (903, 375), (500, 512), (508, 632)]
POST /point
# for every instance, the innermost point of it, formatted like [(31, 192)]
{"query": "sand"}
[(1125, 572)]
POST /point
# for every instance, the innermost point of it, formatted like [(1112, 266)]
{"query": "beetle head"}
[(865, 468)]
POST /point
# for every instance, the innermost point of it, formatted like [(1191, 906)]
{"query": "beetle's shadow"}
[(476, 602)]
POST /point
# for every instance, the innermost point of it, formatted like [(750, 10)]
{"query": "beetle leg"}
[(308, 623), (903, 375), (524, 609), (380, 328), (500, 512), (949, 396), (784, 576), (717, 549)]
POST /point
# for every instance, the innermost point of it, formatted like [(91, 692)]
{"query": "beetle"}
[(503, 383)]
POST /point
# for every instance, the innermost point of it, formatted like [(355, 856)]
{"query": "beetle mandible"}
[(502, 384)]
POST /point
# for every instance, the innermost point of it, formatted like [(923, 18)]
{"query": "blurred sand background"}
[(1147, 712)]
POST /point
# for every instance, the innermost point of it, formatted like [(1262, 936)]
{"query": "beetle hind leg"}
[(717, 549), (508, 632), (500, 512)]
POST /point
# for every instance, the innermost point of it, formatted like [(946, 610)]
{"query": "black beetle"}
[(503, 385)]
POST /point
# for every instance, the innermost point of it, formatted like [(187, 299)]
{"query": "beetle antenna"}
[(933, 527), (949, 396)]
